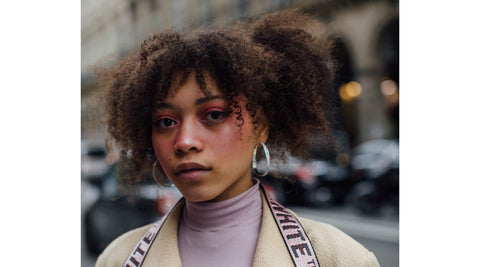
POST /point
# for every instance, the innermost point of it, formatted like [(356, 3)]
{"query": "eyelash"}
[(222, 115), (207, 118), (158, 122)]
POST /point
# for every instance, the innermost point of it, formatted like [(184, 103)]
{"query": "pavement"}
[(380, 227)]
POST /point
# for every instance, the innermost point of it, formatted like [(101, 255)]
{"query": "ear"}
[(263, 134)]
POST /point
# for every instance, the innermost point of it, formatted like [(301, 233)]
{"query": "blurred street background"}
[(355, 189)]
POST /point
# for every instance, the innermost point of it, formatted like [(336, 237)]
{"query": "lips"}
[(190, 168)]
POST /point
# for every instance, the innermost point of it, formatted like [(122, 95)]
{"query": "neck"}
[(213, 216)]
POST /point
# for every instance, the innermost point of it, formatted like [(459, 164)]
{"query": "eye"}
[(215, 116), (164, 122)]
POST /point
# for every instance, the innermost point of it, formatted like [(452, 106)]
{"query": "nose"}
[(188, 139)]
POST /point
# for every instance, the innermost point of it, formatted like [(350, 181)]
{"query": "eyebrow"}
[(198, 102), (206, 99)]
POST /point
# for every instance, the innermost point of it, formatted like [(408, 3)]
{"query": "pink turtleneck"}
[(221, 233)]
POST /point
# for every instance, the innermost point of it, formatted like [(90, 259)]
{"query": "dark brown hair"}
[(280, 62)]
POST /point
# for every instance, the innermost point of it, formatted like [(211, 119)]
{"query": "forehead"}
[(202, 81), (188, 88)]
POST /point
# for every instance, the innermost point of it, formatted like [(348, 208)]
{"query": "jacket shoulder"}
[(116, 253), (335, 248)]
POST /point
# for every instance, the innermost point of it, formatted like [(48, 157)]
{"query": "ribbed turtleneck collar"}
[(221, 215)]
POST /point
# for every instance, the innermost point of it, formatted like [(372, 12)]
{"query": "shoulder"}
[(117, 252), (334, 247)]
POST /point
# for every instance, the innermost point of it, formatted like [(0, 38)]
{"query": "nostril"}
[(182, 150), (184, 147)]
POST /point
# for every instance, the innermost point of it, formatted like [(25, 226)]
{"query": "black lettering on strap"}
[(140, 252), (296, 235), (276, 207), (290, 226), (148, 238), (293, 233), (134, 261), (301, 247), (285, 216)]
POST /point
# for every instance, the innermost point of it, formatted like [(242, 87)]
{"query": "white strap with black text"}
[(294, 235), (140, 251)]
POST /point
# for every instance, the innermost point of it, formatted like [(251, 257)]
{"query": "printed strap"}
[(140, 251), (293, 234)]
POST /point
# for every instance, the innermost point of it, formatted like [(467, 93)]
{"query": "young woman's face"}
[(199, 145)]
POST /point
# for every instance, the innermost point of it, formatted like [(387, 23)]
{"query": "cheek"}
[(235, 138), (161, 147)]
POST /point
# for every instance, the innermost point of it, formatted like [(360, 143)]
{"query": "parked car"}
[(94, 165), (320, 183), (375, 166), (117, 211), (310, 182)]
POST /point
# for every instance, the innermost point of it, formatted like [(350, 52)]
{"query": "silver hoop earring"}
[(267, 157), (160, 177)]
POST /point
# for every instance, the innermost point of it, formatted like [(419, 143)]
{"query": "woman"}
[(196, 106)]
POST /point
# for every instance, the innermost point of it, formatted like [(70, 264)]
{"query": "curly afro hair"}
[(279, 62)]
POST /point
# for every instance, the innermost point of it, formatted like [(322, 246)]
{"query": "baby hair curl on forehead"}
[(280, 63)]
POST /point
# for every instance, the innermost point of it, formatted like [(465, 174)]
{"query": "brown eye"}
[(166, 122), (215, 116)]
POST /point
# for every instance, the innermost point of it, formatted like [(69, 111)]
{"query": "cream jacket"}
[(332, 246)]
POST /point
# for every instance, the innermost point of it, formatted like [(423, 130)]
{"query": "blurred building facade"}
[(366, 38)]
